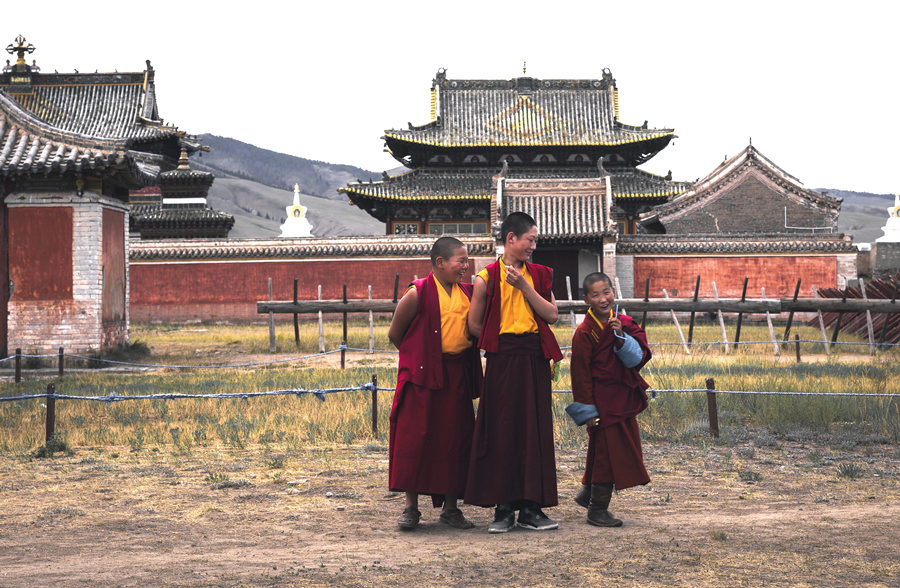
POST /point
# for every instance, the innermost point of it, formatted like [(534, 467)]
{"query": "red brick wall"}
[(40, 252), (777, 274), (222, 290)]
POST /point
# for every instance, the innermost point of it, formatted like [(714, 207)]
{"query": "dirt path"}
[(715, 515)]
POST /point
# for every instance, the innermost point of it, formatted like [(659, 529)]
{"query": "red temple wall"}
[(777, 274), (226, 290), (40, 252)]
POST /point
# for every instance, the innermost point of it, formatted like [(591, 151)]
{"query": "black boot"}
[(598, 515), (583, 498)]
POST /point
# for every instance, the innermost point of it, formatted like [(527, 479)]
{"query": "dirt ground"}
[(735, 514)]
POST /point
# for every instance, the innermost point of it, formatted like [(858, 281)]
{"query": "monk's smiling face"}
[(601, 296), (452, 269)]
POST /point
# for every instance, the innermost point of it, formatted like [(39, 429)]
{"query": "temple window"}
[(405, 228), (456, 228)]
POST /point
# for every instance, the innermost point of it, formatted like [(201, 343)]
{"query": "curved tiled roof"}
[(152, 220), (29, 145), (475, 183), (727, 171), (387, 245), (734, 243), (111, 105), (525, 112)]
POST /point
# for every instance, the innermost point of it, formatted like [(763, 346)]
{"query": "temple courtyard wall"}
[(174, 281)]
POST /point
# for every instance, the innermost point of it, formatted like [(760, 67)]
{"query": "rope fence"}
[(320, 393)]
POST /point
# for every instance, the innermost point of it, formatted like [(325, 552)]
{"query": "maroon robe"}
[(619, 393), (432, 416), (513, 456)]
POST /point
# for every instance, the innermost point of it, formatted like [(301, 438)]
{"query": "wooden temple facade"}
[(72, 146)]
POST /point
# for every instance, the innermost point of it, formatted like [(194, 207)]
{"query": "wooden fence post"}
[(790, 320), (771, 327), (18, 365), (822, 324), (712, 407), (61, 362), (344, 339), (371, 325), (374, 405), (646, 299), (271, 322), (693, 312), (887, 317), (721, 319), (618, 293), (51, 412), (737, 333), (869, 327), (571, 312), (677, 326), (296, 318), (797, 342), (321, 325), (837, 323)]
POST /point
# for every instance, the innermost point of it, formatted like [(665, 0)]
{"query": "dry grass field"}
[(287, 491)]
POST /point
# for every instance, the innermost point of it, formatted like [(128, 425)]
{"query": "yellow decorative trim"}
[(495, 143), (433, 104), (616, 101)]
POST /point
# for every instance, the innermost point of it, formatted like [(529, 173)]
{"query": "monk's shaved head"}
[(445, 247)]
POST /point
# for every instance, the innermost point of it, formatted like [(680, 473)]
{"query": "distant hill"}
[(259, 211), (862, 213), (230, 158)]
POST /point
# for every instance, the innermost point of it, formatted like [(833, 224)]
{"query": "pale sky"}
[(813, 83)]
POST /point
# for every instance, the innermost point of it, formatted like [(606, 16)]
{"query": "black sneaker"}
[(504, 519), (532, 517)]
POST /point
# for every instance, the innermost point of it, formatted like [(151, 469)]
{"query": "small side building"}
[(747, 218)]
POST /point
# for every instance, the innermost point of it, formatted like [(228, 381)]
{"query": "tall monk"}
[(513, 466), (608, 350), (438, 376)]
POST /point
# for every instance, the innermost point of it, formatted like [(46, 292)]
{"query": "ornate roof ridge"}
[(735, 243), (384, 245), (727, 171)]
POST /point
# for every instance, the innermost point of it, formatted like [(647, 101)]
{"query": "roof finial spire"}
[(183, 159), (21, 48), (524, 67)]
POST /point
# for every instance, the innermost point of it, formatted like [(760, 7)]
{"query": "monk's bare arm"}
[(476, 307), (546, 309), (403, 316)]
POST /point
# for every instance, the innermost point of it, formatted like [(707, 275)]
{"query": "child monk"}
[(439, 374), (513, 466), (608, 350)]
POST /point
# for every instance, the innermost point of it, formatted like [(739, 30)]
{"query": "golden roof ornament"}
[(21, 48)]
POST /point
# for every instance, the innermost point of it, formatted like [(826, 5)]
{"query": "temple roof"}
[(728, 172), (734, 243), (525, 112), (31, 146), (53, 123), (386, 245), (576, 214), (475, 183), (156, 221), (112, 105)]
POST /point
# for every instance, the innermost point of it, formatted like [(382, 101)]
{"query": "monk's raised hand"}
[(615, 323), (514, 277)]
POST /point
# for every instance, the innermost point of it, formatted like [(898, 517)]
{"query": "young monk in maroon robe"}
[(608, 350), (513, 466), (439, 375)]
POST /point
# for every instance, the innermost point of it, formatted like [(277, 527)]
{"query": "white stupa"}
[(892, 227), (296, 224)]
